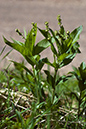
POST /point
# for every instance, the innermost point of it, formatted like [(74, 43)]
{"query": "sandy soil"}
[(20, 13)]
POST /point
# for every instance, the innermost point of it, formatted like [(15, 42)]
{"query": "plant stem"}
[(55, 78)]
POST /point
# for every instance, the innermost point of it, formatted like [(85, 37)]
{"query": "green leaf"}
[(62, 31), (41, 63), (76, 72), (20, 119), (66, 46), (44, 33), (6, 55), (82, 86), (56, 40), (76, 47), (25, 33), (31, 60), (22, 66), (30, 39), (2, 50), (62, 57), (50, 79), (76, 33), (48, 62), (53, 49), (80, 74), (65, 59), (83, 66), (82, 70), (22, 49), (18, 42), (52, 46), (42, 45)]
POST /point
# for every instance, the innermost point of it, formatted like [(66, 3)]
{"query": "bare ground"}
[(20, 13)]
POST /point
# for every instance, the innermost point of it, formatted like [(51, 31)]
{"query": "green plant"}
[(53, 103), (80, 74)]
